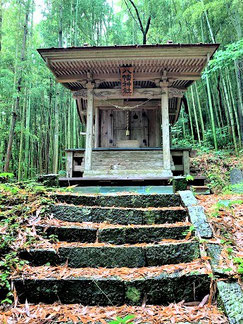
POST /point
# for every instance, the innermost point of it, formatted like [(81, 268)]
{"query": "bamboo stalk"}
[(231, 116), (195, 115), (211, 114), (234, 107)]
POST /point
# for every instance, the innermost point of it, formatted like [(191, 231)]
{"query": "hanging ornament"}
[(127, 130)]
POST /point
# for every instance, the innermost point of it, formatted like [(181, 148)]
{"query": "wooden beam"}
[(115, 77), (149, 93)]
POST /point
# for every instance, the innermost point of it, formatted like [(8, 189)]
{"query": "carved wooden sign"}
[(126, 80)]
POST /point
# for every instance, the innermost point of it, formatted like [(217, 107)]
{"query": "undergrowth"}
[(216, 166), (18, 206)]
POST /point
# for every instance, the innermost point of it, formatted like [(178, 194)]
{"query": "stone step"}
[(200, 190), (115, 234), (146, 190), (76, 313), (121, 200), (113, 256), (162, 289), (113, 172), (117, 215)]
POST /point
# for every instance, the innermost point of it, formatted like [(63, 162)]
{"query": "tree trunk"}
[(211, 114), (200, 112), (231, 117), (56, 134), (60, 40), (195, 115), (188, 111), (19, 88), (1, 23), (76, 23), (143, 30), (11, 137), (27, 139), (237, 120), (240, 95), (20, 164)]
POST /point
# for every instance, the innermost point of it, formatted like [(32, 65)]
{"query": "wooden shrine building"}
[(128, 96)]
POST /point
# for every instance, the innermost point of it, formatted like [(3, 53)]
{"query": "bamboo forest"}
[(38, 117), (121, 161)]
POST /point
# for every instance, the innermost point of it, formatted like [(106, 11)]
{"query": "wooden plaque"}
[(126, 80)]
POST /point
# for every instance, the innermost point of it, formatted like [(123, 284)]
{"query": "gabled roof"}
[(183, 63)]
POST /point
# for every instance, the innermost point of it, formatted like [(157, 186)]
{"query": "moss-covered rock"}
[(135, 291), (117, 216), (69, 234), (104, 256), (179, 183), (162, 290), (199, 221), (114, 256), (133, 235), (172, 253), (173, 288), (156, 200), (86, 291), (39, 257), (231, 296)]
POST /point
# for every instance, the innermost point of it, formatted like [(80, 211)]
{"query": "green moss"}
[(149, 217), (133, 294), (86, 211), (179, 184)]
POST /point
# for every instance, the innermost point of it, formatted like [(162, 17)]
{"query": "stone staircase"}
[(126, 164), (133, 160), (114, 250)]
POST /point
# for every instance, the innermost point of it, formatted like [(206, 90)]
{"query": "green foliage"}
[(6, 175), (18, 204), (225, 58), (53, 238), (236, 188), (10, 188), (125, 320), (216, 166), (239, 262), (190, 230), (189, 177)]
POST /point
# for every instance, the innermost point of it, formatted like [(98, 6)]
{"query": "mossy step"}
[(122, 200), (112, 256), (161, 290), (76, 313), (116, 235), (118, 215)]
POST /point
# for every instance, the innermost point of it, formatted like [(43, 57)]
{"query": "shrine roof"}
[(183, 63)]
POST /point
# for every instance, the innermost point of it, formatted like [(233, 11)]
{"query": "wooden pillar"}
[(96, 127), (186, 162), (89, 128), (166, 131), (69, 164)]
